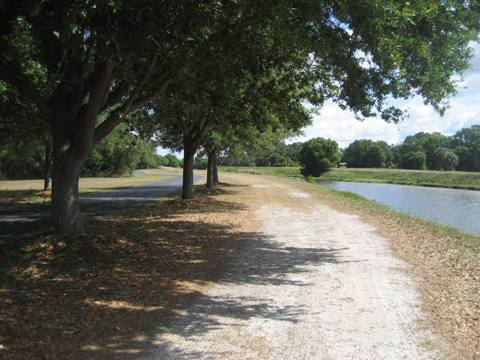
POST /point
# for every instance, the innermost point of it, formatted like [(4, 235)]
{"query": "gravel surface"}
[(323, 286)]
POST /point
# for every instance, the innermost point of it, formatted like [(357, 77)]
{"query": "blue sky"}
[(341, 126)]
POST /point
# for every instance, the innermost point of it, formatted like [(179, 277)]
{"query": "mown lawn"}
[(28, 191), (450, 179)]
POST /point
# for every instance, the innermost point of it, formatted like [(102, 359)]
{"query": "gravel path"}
[(320, 284)]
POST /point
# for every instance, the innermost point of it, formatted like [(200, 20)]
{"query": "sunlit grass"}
[(28, 191), (450, 179)]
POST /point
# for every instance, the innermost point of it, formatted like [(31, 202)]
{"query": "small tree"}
[(426, 143), (367, 153), (414, 160), (444, 159), (317, 156), (466, 143)]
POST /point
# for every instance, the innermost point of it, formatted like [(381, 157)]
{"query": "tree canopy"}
[(466, 143), (367, 153), (87, 66), (318, 156)]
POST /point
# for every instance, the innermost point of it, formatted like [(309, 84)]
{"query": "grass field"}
[(449, 179), (27, 191), (293, 172)]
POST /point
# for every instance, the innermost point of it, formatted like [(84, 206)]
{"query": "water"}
[(456, 208)]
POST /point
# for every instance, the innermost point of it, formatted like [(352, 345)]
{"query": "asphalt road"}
[(23, 222)]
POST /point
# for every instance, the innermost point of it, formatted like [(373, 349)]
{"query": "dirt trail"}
[(329, 289)]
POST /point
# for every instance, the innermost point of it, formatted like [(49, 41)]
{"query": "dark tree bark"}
[(215, 169), (210, 170), (47, 166), (189, 150), (65, 175)]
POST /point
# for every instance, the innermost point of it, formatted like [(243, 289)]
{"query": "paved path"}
[(22, 222), (311, 283)]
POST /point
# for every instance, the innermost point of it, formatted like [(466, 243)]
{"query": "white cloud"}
[(464, 111)]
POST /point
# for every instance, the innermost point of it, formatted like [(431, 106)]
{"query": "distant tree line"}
[(315, 156), (432, 151), (118, 155), (276, 155)]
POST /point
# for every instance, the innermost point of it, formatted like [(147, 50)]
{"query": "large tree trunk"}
[(47, 165), (67, 165), (188, 158), (215, 168), (210, 170)]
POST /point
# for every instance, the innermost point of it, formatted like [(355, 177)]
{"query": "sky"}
[(341, 126)]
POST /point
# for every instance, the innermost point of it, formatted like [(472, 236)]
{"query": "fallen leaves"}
[(112, 289)]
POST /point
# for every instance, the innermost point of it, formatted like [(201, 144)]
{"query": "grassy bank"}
[(28, 191), (448, 179)]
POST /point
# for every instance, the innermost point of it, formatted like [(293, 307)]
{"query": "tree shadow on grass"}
[(135, 275)]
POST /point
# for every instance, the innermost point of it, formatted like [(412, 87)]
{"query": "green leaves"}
[(318, 156)]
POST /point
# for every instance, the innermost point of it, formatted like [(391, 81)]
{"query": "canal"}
[(456, 208)]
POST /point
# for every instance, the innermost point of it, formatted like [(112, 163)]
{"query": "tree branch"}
[(86, 120), (116, 95), (108, 125), (148, 98)]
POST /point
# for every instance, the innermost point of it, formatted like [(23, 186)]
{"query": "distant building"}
[(342, 165)]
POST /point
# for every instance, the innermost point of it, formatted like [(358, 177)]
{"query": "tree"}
[(367, 154), (274, 160), (119, 153), (318, 156), (444, 159), (413, 160), (86, 65), (388, 152), (292, 151), (268, 148), (172, 161), (210, 106), (466, 144), (26, 147), (212, 142), (427, 143)]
